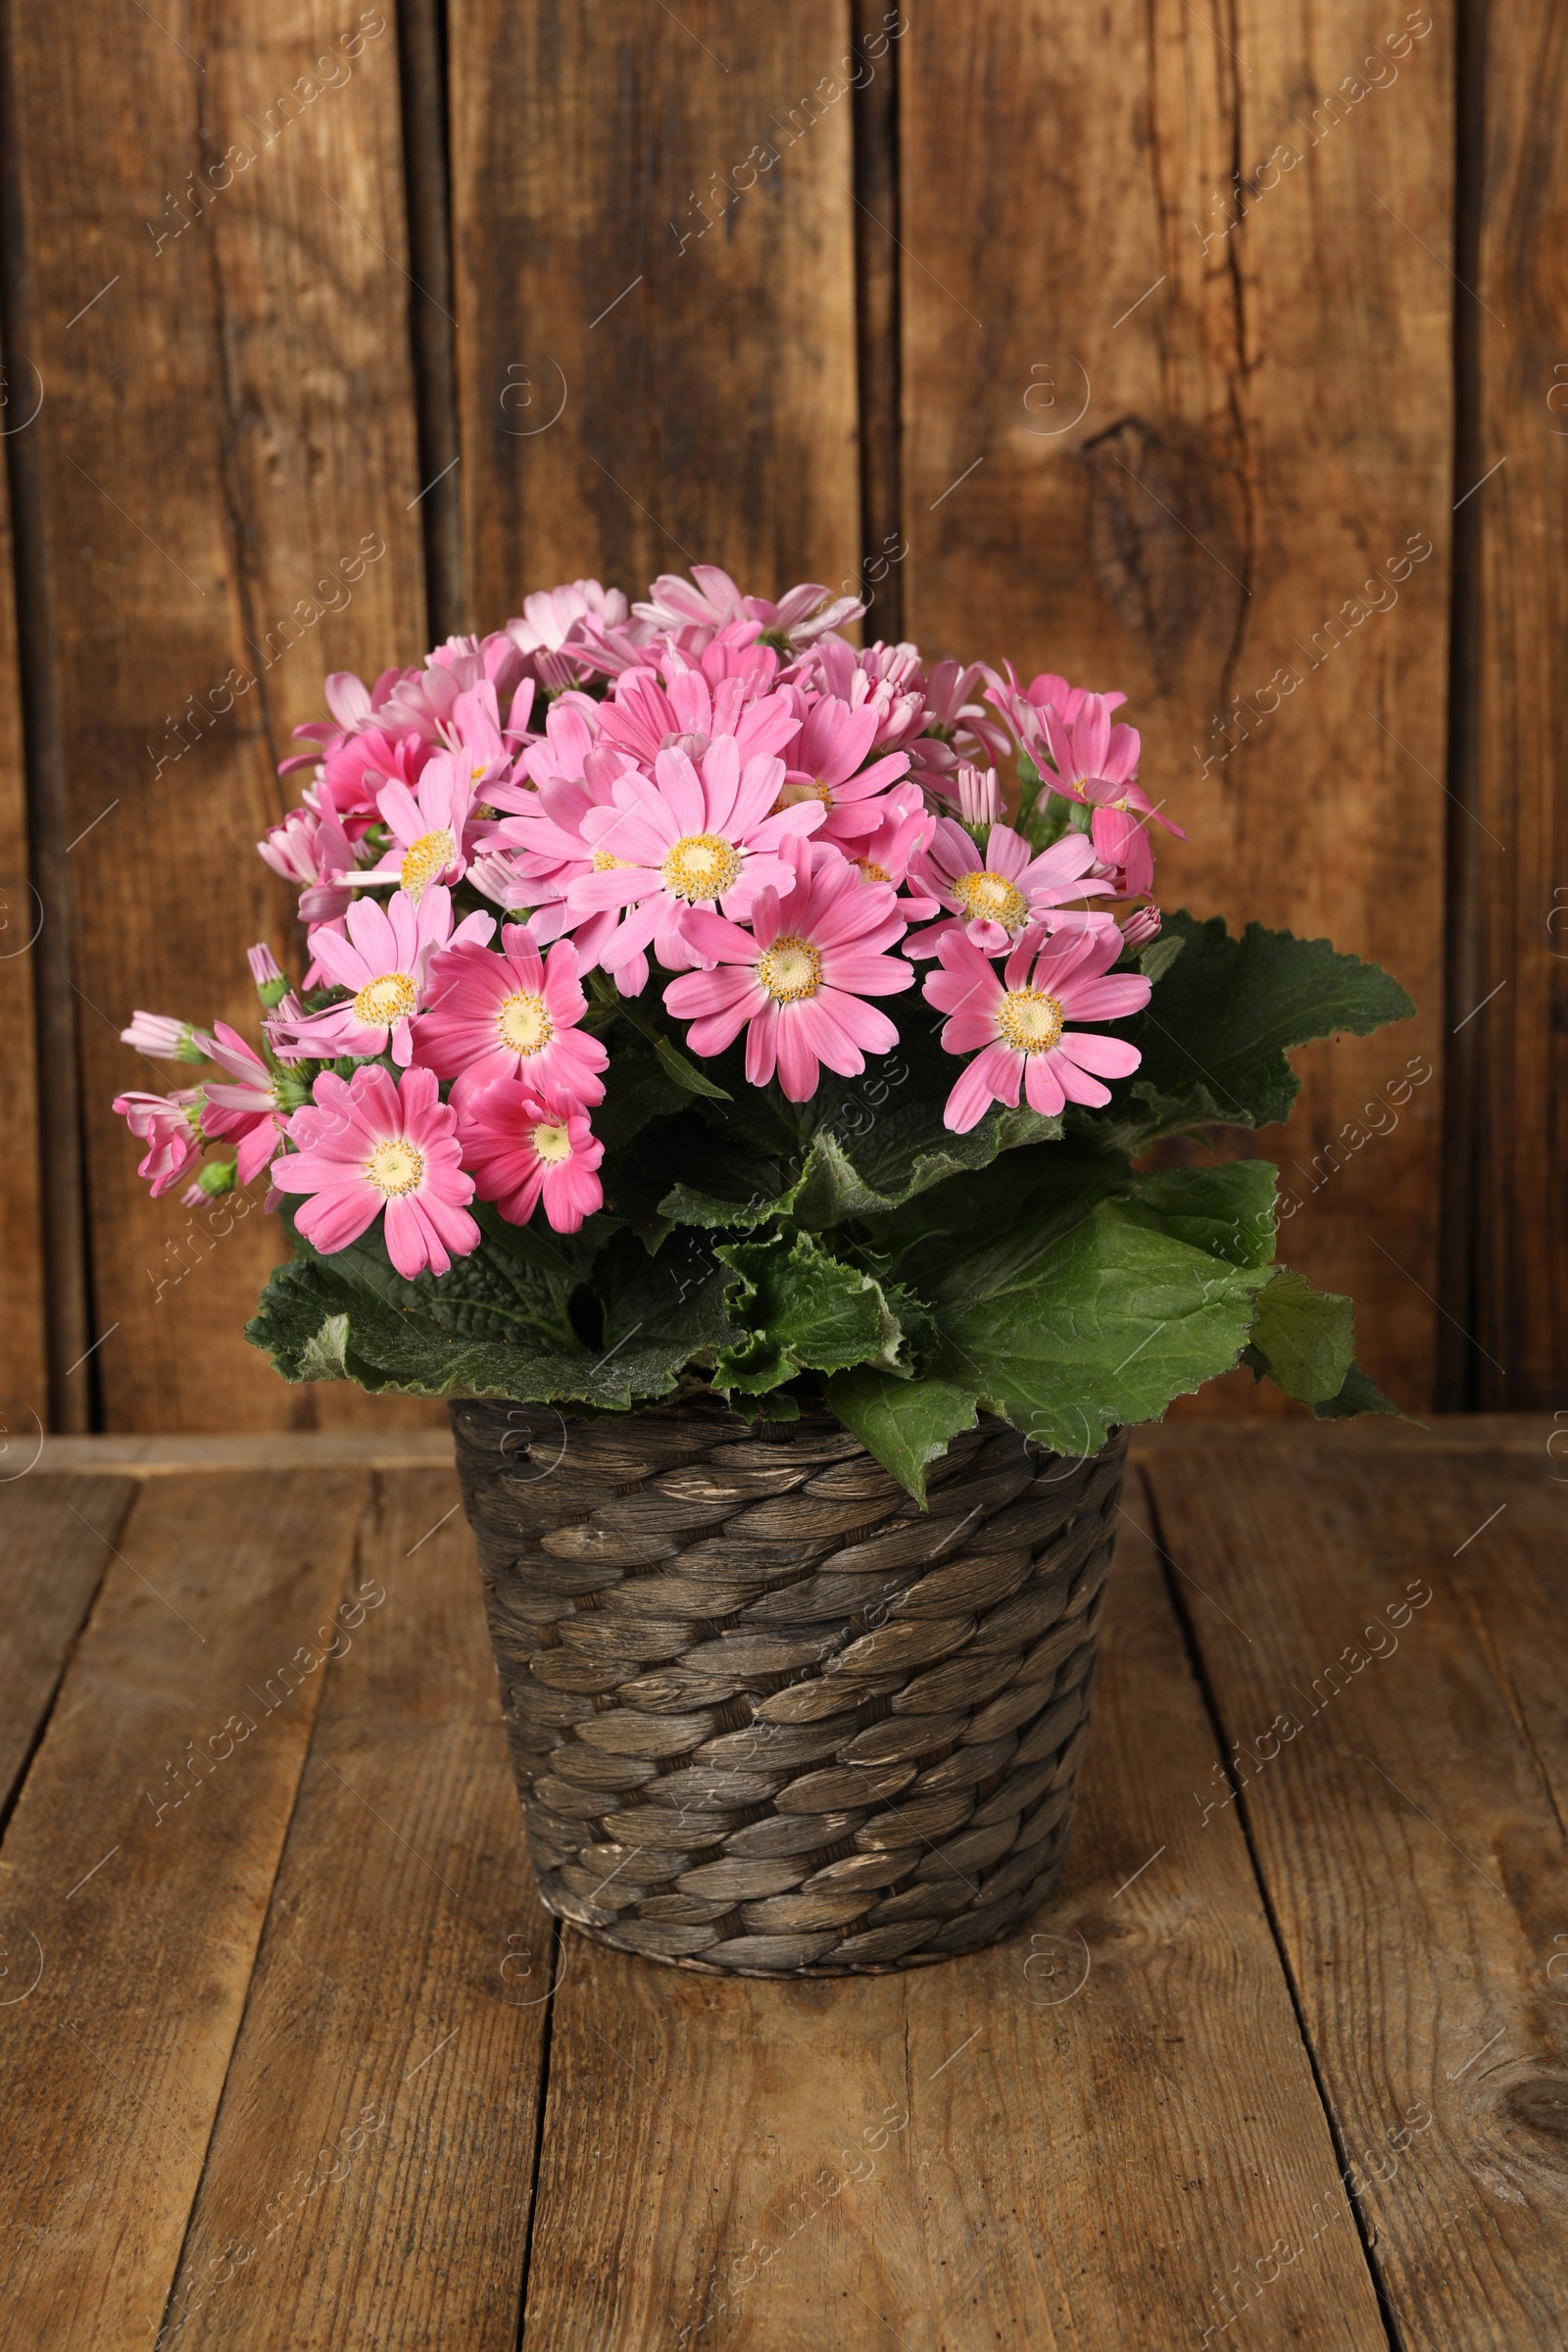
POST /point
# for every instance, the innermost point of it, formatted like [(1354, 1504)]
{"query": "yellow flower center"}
[(793, 795), (991, 898), (870, 871), (603, 863), (1029, 1020), (791, 968), (380, 1002), (553, 1145), (523, 1020), (393, 1168), (425, 858), (700, 865)]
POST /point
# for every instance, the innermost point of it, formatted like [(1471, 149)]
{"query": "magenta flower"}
[(693, 838), (171, 1127), (825, 765), (1016, 1025), (796, 980), (991, 901), (521, 1143), (368, 1144), (386, 959), (509, 1015)]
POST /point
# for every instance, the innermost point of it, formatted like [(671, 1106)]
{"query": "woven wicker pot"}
[(767, 1716)]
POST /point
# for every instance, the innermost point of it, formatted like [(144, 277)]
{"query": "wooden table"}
[(292, 2057)]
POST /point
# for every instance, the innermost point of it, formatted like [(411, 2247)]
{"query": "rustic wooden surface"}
[(301, 2062)]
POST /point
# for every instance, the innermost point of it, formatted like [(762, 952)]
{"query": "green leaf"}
[(1155, 960), (806, 1309), (907, 1424), (1227, 1210), (637, 1090), (1102, 1326), (1307, 1336), (1214, 1037), (685, 1075), (1360, 1394), (342, 1317)]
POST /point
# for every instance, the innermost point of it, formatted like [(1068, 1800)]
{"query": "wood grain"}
[(145, 1924), (401, 1980), (1410, 1833), (700, 334), (229, 417), (25, 1408), (1079, 2155), (1158, 455), (1517, 831), (57, 1536)]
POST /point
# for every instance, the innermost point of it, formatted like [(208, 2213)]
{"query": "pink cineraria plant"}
[(606, 1022)]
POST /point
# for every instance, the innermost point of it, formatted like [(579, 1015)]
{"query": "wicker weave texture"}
[(765, 1715)]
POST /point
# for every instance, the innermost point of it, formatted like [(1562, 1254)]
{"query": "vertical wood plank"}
[(1162, 454), (24, 1408), (1518, 317), (56, 1536), (214, 248), (656, 324), (146, 1923)]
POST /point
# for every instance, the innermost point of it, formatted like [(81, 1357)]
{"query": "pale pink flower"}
[(512, 1013), (521, 1143), (991, 900), (979, 796), (825, 765), (956, 727), (559, 630), (244, 1109), (313, 854), (690, 838), (367, 1145), (164, 1039), (697, 612), (386, 959), (796, 982), (1016, 1024), (428, 827), (171, 1127)]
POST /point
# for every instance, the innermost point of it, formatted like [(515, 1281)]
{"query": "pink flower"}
[(698, 612), (796, 981), (313, 854), (1094, 763), (691, 838), (991, 901), (427, 827), (171, 1127), (825, 765), (884, 856), (1123, 848), (163, 1038), (521, 1143), (979, 796), (687, 711), (1141, 927), (1018, 1022), (244, 1110), (1023, 705), (556, 621), (512, 1014), (367, 1145), (386, 959)]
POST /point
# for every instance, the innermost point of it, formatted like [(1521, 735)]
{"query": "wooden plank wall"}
[(1216, 356)]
